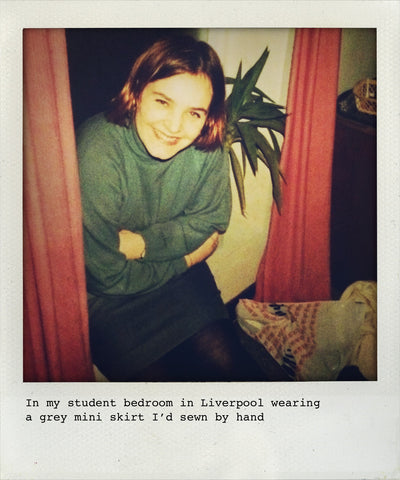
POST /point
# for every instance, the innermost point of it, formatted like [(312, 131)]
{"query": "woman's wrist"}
[(188, 259)]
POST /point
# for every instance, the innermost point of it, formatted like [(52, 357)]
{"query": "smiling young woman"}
[(155, 198), (164, 59), (171, 113)]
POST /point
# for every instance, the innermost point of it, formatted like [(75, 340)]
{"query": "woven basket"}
[(365, 96)]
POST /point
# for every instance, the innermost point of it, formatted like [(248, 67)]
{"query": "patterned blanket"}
[(316, 340)]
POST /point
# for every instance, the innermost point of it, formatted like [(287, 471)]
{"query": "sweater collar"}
[(136, 143)]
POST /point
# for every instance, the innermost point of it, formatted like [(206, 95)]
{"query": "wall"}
[(357, 57), (236, 261)]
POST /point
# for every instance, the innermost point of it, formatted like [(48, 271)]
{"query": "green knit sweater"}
[(175, 205)]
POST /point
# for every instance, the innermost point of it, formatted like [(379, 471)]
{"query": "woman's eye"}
[(195, 115), (161, 101)]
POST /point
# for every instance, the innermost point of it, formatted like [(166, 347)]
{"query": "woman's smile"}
[(171, 113), (163, 137)]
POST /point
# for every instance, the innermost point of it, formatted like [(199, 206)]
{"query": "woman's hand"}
[(204, 251), (131, 244)]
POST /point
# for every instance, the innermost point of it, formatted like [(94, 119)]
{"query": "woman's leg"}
[(213, 354), (219, 356)]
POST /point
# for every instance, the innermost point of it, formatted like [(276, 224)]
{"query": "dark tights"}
[(213, 354)]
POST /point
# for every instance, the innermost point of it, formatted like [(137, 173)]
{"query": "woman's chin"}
[(164, 152)]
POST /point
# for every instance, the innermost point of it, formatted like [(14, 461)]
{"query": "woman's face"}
[(171, 113)]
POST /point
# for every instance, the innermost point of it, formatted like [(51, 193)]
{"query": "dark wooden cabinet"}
[(354, 204)]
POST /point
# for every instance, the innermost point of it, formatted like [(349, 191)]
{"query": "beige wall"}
[(235, 263)]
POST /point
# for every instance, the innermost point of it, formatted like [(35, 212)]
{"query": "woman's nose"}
[(174, 122)]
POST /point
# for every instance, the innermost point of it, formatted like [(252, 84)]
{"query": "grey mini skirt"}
[(128, 333)]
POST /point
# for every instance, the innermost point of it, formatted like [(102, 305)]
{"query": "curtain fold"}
[(56, 340), (295, 264)]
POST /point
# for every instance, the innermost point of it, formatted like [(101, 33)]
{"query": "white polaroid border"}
[(354, 432)]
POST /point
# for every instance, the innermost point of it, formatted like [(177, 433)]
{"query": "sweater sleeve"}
[(208, 211), (108, 272)]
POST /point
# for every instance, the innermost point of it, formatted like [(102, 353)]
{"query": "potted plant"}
[(248, 110)]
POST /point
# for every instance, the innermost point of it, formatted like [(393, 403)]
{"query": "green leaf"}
[(238, 176), (262, 94), (251, 77), (260, 111), (265, 147), (234, 100), (244, 163), (249, 144), (277, 149), (276, 145), (270, 158), (239, 73), (277, 124), (230, 80), (256, 98)]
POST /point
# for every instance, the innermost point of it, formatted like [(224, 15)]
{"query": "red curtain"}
[(295, 264), (56, 345)]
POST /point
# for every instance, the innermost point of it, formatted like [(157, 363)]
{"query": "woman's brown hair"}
[(168, 57)]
